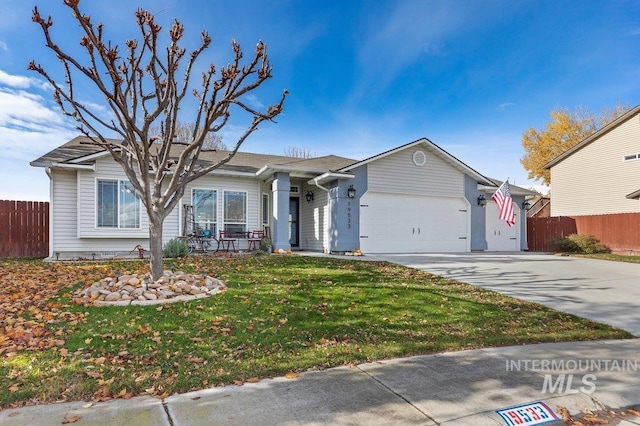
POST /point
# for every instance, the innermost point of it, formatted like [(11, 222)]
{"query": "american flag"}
[(502, 197)]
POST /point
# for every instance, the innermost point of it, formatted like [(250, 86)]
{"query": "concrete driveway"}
[(603, 291)]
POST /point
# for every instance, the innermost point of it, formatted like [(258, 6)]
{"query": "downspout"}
[(47, 170), (315, 182)]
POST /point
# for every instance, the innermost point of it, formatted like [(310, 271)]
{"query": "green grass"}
[(612, 257), (280, 314)]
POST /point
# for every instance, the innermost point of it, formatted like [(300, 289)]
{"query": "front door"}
[(294, 228)]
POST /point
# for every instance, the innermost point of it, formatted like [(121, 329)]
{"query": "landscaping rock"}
[(112, 297), (131, 288)]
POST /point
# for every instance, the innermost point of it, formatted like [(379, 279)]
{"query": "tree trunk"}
[(155, 246)]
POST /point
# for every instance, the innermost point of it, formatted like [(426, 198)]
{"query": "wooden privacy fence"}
[(620, 232), (542, 230), (24, 229)]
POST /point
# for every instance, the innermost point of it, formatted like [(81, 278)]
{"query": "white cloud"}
[(3, 46), (28, 127), (505, 105), (20, 81), (253, 101)]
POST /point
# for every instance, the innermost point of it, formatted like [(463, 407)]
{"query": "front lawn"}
[(281, 314)]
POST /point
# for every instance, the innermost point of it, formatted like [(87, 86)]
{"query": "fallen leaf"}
[(89, 405), (71, 419), (290, 376), (253, 380), (120, 394)]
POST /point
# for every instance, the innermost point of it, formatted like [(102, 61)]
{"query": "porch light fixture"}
[(351, 192), (309, 196), (482, 200), (526, 205)]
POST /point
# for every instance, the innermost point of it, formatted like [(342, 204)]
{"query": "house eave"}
[(299, 172), (66, 166), (328, 177)]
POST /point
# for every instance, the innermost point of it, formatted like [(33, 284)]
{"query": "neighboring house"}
[(597, 184), (414, 198), (600, 175)]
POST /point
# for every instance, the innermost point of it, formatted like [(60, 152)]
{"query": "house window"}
[(117, 205), (205, 209), (631, 157), (265, 209), (235, 211), (294, 189)]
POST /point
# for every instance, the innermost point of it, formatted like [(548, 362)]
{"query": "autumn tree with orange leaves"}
[(565, 129), (144, 87)]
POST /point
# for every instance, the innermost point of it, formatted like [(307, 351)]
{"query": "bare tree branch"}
[(145, 87)]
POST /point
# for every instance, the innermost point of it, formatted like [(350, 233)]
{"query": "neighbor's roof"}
[(634, 195), (515, 190), (78, 151), (606, 129)]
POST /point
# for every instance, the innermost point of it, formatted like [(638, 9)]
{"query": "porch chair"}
[(226, 240), (255, 240)]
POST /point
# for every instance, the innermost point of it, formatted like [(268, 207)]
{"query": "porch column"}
[(281, 188)]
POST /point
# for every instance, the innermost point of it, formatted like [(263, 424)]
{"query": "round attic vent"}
[(419, 158)]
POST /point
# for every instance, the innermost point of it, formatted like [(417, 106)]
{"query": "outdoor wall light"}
[(526, 205), (351, 192), (482, 200), (309, 196)]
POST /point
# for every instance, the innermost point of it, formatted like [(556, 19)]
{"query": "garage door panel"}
[(393, 223)]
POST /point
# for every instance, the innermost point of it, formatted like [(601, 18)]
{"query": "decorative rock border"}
[(138, 289)]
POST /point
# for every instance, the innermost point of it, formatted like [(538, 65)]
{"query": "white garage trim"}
[(401, 223)]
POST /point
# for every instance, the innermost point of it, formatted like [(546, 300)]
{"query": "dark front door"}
[(294, 227)]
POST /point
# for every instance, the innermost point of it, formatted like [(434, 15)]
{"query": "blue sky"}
[(364, 76)]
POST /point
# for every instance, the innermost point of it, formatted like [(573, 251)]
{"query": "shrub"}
[(575, 243), (175, 248)]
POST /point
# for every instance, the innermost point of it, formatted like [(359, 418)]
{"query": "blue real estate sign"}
[(536, 413)]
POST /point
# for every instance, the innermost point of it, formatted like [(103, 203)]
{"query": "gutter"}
[(329, 176)]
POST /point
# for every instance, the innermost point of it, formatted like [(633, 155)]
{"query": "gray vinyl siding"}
[(594, 180), (74, 212), (87, 181), (221, 184), (64, 209), (397, 173), (315, 220)]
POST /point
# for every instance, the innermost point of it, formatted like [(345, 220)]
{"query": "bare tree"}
[(298, 152), (184, 133), (144, 87)]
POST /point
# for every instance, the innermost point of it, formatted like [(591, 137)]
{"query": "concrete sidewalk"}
[(457, 388)]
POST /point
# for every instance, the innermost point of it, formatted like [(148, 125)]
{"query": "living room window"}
[(117, 205), (235, 211)]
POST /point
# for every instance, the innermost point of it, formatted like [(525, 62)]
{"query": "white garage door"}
[(392, 223), (501, 237)]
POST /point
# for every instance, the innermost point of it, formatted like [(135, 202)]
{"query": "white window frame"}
[(234, 224), (213, 224), (119, 225)]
